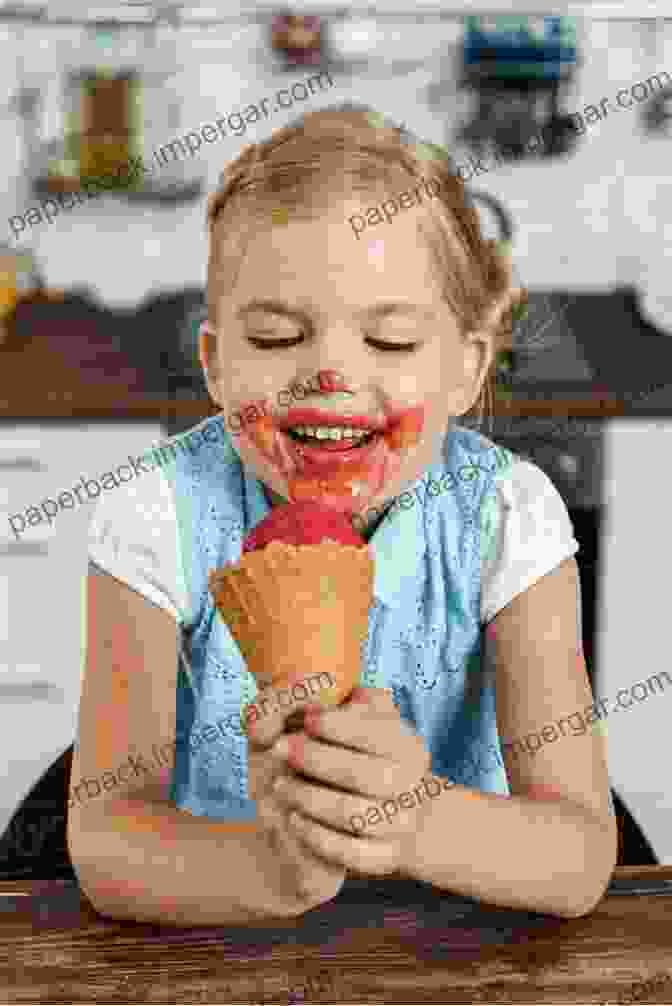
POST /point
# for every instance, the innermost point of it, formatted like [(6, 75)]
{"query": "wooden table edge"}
[(27, 888)]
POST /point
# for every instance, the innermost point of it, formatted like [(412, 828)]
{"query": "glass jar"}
[(101, 105), (19, 276)]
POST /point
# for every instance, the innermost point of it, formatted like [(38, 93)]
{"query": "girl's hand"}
[(370, 758), (308, 874)]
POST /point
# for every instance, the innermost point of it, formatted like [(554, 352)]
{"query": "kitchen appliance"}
[(517, 48), (517, 66), (657, 113)]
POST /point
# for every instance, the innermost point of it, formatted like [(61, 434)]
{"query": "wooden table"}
[(379, 941)]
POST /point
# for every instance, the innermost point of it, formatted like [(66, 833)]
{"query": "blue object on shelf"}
[(514, 47)]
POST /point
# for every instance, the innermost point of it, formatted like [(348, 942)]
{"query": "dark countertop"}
[(68, 357)]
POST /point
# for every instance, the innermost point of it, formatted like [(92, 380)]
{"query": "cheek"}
[(409, 386)]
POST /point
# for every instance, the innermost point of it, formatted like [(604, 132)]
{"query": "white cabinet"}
[(633, 669), (42, 583)]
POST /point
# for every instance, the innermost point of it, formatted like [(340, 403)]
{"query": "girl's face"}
[(324, 332)]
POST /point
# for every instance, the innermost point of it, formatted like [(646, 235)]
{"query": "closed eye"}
[(274, 343), (386, 347), (401, 347)]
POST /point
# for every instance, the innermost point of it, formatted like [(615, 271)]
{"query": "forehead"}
[(290, 253)]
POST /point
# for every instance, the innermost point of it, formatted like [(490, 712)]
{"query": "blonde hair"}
[(355, 149)]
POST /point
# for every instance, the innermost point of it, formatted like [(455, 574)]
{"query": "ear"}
[(478, 357), (207, 354)]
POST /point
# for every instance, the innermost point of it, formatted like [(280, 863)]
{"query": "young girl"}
[(474, 635)]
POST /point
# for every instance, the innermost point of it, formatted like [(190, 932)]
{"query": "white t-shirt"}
[(134, 537)]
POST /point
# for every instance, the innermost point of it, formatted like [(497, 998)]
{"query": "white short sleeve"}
[(134, 537), (527, 532)]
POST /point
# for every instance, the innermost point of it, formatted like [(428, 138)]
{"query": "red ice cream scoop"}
[(304, 523)]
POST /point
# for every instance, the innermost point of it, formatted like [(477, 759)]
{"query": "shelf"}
[(211, 13)]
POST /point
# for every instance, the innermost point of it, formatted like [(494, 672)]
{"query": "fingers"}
[(353, 771), (363, 747), (310, 872), (286, 845), (275, 708), (377, 699), (347, 760), (360, 854), (392, 818), (266, 718), (374, 727), (324, 805)]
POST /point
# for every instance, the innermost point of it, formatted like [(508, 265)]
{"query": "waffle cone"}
[(297, 611)]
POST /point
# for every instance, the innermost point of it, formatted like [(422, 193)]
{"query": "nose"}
[(331, 380), (336, 358)]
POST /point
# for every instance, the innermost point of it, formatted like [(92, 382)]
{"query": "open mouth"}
[(335, 438), (342, 459)]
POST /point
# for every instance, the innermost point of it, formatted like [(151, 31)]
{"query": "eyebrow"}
[(272, 307), (383, 310), (397, 307)]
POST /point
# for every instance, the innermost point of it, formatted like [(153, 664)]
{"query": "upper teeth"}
[(331, 432)]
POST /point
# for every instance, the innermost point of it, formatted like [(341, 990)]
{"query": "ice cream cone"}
[(296, 611)]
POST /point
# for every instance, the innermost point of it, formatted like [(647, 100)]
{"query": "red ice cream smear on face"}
[(406, 428), (262, 434), (345, 479)]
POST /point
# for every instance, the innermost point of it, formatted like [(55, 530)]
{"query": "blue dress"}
[(424, 637)]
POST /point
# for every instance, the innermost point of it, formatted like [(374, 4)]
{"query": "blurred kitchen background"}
[(99, 308)]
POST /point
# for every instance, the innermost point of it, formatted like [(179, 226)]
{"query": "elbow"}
[(98, 895), (305, 901), (104, 907), (83, 861), (600, 853), (587, 904), (104, 895), (584, 900)]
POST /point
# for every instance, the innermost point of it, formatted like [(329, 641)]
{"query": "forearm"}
[(546, 856), (148, 861)]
